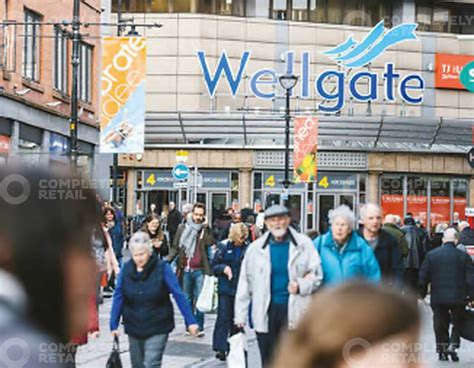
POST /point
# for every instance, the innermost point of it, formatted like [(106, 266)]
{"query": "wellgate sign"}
[(350, 55)]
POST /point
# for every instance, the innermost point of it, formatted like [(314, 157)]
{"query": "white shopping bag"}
[(237, 357), (207, 300)]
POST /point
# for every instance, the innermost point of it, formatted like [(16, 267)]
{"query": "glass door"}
[(272, 199), (218, 205), (348, 200), (295, 206), (326, 202)]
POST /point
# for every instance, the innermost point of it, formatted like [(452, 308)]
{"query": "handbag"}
[(467, 326), (237, 357), (207, 300), (114, 358)]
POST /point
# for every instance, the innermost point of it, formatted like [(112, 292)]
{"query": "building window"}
[(357, 13), (85, 73), (391, 200), (31, 48), (447, 198), (60, 61), (447, 17), (460, 197), (440, 209)]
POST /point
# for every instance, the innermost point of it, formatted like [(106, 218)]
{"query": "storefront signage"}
[(163, 179), (216, 179), (467, 76), (304, 149), (273, 180), (4, 144), (154, 179), (337, 181), (448, 70), (122, 104), (350, 54)]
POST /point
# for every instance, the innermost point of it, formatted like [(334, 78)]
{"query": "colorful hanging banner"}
[(305, 148), (122, 105)]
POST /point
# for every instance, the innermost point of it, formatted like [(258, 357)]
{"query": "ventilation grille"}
[(326, 160)]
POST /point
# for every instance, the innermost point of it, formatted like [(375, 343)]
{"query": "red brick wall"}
[(43, 92)]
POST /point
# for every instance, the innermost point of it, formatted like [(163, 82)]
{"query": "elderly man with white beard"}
[(279, 273)]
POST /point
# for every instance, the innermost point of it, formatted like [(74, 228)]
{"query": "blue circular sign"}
[(180, 172)]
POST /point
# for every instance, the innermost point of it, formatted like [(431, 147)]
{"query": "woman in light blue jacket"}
[(344, 254)]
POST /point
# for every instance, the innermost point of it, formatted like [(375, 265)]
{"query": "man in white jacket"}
[(279, 273)]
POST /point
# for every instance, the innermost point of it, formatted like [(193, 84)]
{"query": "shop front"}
[(218, 190), (432, 199), (310, 203)]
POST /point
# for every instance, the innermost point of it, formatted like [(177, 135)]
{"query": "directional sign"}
[(180, 172), (470, 157)]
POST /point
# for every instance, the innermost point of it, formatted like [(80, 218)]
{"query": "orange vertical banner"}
[(122, 103), (305, 148)]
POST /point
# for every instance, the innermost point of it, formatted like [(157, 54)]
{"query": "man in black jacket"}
[(448, 270), (382, 242), (416, 253), (174, 219)]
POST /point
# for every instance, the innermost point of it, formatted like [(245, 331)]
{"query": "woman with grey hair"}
[(142, 298), (344, 254)]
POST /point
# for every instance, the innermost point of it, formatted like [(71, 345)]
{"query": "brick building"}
[(35, 82)]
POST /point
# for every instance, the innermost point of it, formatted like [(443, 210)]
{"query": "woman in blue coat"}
[(344, 254), (226, 266), (142, 298)]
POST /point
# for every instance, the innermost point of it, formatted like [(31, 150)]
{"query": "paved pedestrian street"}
[(186, 351)]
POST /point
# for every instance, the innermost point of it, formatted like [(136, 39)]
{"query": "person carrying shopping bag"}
[(226, 266), (142, 299)]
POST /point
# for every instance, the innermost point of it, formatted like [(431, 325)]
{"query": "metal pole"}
[(286, 182), (195, 183), (76, 43), (115, 155)]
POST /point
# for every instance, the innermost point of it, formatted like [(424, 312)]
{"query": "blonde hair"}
[(237, 232)]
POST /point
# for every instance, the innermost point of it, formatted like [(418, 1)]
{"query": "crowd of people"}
[(295, 290)]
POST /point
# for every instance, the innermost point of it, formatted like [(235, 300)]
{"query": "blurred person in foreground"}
[(47, 269), (449, 271), (142, 298), (279, 273), (226, 266), (345, 255), (356, 325)]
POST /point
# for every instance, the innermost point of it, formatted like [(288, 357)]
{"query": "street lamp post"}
[(74, 118), (288, 82)]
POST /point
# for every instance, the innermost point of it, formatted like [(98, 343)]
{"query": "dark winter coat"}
[(449, 271), (388, 256), (147, 308), (416, 252), (467, 236), (227, 255), (174, 219)]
